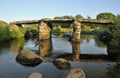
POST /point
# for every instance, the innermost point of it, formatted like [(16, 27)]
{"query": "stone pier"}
[(44, 31), (76, 32)]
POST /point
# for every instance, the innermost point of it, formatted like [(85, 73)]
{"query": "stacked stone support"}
[(76, 32), (44, 31)]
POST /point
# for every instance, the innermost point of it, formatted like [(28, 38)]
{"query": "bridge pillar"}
[(76, 31), (44, 31)]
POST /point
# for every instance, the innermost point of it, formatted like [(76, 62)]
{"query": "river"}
[(91, 56)]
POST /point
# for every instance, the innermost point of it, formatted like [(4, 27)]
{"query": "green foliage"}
[(31, 30), (67, 17), (57, 30), (78, 16), (115, 41), (4, 31), (28, 34), (88, 17), (57, 17), (17, 44), (15, 34), (106, 15), (105, 35)]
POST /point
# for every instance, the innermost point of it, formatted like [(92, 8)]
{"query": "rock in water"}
[(35, 75), (28, 58), (76, 73), (61, 63)]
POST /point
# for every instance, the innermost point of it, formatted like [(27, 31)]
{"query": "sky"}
[(15, 10)]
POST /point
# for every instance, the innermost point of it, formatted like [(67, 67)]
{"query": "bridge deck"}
[(63, 20)]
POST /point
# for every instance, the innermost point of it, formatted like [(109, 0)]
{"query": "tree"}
[(57, 17), (78, 16), (88, 17), (67, 17), (106, 15), (115, 30), (4, 31)]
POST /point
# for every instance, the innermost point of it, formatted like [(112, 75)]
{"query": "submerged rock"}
[(61, 63), (35, 75), (28, 58), (76, 73)]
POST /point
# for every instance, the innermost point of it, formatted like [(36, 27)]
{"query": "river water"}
[(90, 55)]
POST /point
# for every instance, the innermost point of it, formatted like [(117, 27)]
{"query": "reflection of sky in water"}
[(31, 45), (61, 45), (91, 48), (87, 47)]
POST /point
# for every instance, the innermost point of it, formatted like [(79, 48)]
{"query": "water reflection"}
[(88, 38), (113, 71), (94, 61), (17, 45), (76, 51), (45, 48)]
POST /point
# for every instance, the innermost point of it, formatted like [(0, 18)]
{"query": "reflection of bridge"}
[(45, 51), (45, 26)]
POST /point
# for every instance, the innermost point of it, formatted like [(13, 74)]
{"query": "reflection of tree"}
[(86, 37), (45, 47), (4, 45), (17, 45), (113, 71), (99, 43)]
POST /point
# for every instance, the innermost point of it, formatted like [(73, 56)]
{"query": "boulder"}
[(76, 73), (61, 63), (35, 75), (28, 58)]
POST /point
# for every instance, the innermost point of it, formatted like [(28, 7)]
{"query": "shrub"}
[(4, 31), (16, 32), (57, 30), (115, 41), (105, 35)]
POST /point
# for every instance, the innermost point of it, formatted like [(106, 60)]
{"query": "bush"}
[(4, 31), (16, 32), (115, 41), (31, 30), (28, 34), (105, 35), (57, 30), (34, 32)]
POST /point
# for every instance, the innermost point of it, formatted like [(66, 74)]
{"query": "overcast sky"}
[(14, 10)]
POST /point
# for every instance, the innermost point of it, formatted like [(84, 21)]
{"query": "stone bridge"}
[(45, 26)]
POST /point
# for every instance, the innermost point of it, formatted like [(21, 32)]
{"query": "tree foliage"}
[(106, 15), (78, 16), (16, 32), (115, 30), (4, 31)]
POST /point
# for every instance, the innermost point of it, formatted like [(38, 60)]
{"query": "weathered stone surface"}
[(98, 21), (61, 63), (45, 48), (27, 57), (76, 32), (76, 73), (35, 75), (44, 31)]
